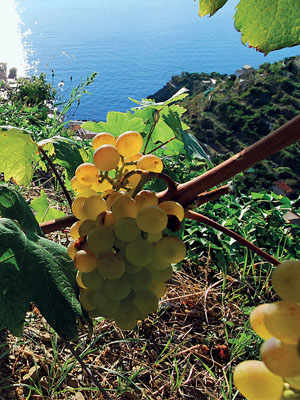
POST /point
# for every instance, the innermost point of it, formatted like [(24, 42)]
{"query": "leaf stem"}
[(207, 221), (54, 170), (161, 145), (155, 121)]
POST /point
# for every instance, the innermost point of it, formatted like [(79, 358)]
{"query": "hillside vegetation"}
[(230, 112)]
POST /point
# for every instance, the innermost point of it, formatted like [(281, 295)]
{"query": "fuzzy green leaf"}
[(67, 152), (43, 211), (17, 163), (268, 25), (34, 269), (116, 123), (210, 6), (13, 206)]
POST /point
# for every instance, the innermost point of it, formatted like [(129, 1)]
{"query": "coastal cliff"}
[(230, 112)]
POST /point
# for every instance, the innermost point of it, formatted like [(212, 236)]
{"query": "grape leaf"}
[(67, 152), (43, 211), (34, 269), (192, 147), (13, 206), (144, 103), (268, 25), (116, 123), (210, 6), (17, 163)]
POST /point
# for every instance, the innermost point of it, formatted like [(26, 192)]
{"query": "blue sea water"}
[(135, 46)]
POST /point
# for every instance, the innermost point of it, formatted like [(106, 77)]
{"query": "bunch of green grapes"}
[(121, 249), (277, 376), (114, 157)]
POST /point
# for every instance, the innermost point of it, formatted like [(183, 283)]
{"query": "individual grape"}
[(77, 207), (92, 280), (157, 288), (112, 197), (117, 289), (127, 315), (109, 219), (86, 226), (281, 358), (132, 159), (282, 320), (129, 143), (173, 208), (103, 138), (158, 264), (84, 261), (104, 306), (71, 250), (140, 279), (151, 163), (126, 229), (146, 198), (124, 206), (132, 269), (87, 174), (100, 240), (106, 157), (170, 249), (87, 192), (145, 301), (74, 230), (154, 237), (77, 186), (152, 219), (139, 252), (286, 280), (253, 379), (94, 206), (79, 280), (161, 275), (257, 322), (101, 187), (111, 266), (294, 382), (85, 299), (133, 180)]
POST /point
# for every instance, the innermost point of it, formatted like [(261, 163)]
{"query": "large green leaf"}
[(116, 123), (43, 211), (67, 152), (13, 206), (210, 6), (34, 269), (18, 154), (269, 25)]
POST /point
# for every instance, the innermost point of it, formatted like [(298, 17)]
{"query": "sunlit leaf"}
[(18, 162), (43, 211), (116, 123), (210, 6), (268, 25)]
